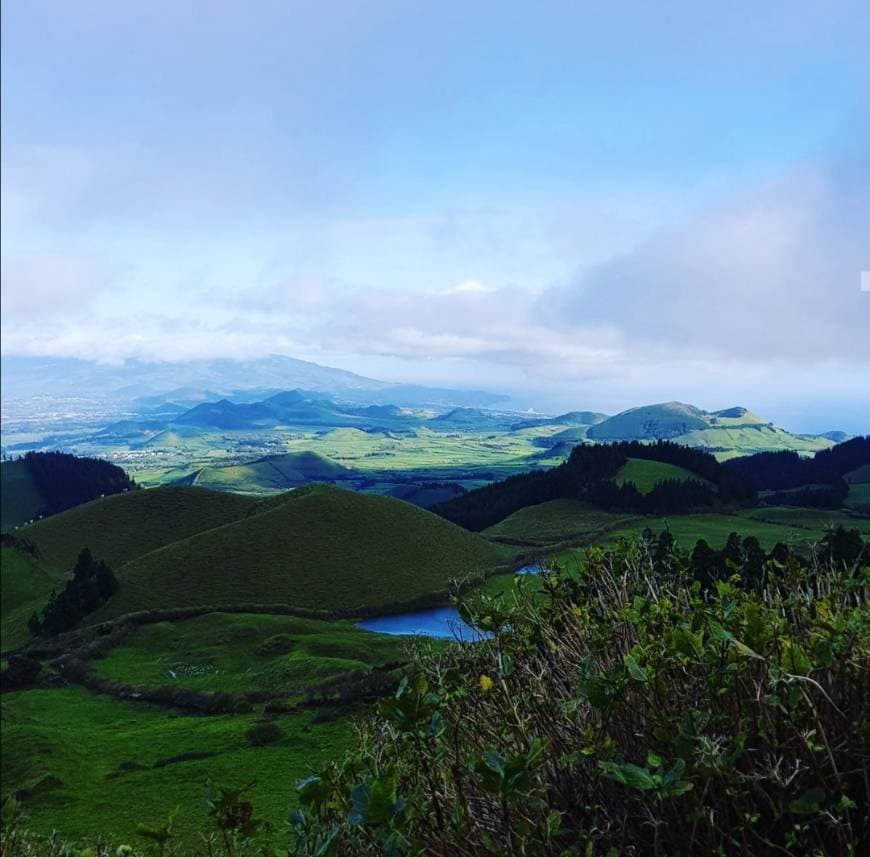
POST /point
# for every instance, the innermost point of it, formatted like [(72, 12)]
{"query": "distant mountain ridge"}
[(155, 383)]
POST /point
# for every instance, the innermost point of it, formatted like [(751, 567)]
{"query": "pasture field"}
[(715, 528), (85, 763), (239, 653)]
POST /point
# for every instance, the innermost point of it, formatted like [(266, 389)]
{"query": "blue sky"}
[(589, 205)]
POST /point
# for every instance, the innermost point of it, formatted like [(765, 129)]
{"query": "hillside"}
[(645, 475), (25, 585), (650, 422), (118, 529), (271, 473), (728, 432), (321, 548)]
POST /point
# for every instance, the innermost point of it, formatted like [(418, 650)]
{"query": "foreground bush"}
[(624, 711)]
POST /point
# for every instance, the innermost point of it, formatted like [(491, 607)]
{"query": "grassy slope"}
[(79, 738), (273, 473), (816, 521), (555, 521), (125, 526), (318, 547), (25, 585), (645, 474), (19, 499), (748, 439), (243, 652)]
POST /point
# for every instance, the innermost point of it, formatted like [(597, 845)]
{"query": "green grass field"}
[(646, 474), (75, 745), (238, 653), (715, 528)]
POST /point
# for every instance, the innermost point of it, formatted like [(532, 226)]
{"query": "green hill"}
[(728, 433), (319, 547), (125, 526), (553, 522), (272, 473), (20, 500), (651, 422), (646, 474)]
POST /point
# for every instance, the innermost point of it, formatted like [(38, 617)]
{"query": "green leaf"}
[(629, 775), (373, 802), (635, 670), (808, 803)]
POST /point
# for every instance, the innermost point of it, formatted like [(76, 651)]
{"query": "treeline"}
[(816, 482), (587, 474), (91, 585), (476, 510), (65, 480)]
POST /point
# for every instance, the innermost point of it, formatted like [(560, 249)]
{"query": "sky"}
[(584, 205)]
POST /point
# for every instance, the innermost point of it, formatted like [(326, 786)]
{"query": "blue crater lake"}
[(441, 622)]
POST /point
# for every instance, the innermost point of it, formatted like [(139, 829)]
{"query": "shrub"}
[(626, 709), (277, 644), (20, 672), (263, 733)]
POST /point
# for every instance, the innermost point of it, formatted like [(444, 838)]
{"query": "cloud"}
[(772, 275), (45, 286)]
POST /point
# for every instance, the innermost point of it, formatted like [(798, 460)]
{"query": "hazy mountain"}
[(203, 380)]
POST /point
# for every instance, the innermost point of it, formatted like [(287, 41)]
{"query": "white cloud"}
[(769, 276)]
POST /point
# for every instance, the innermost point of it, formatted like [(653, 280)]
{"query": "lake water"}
[(441, 622)]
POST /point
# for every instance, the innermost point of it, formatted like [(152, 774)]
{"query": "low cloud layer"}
[(769, 276)]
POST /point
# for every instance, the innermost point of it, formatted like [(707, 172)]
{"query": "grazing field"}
[(83, 763), (647, 474), (814, 520), (715, 528), (239, 653)]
